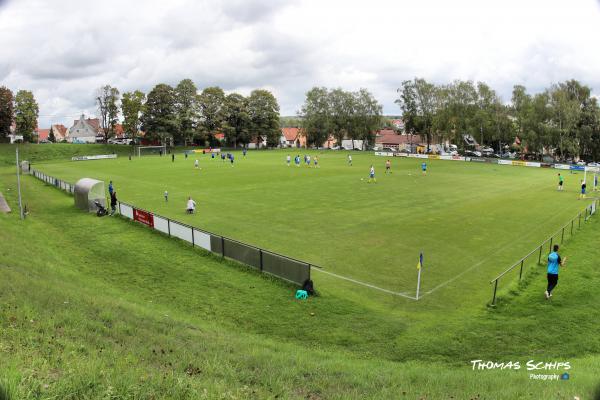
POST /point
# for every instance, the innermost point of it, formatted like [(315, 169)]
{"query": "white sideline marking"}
[(364, 284)]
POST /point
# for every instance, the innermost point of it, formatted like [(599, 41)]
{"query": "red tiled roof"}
[(219, 136), (291, 134), (61, 129), (43, 134), (93, 122), (119, 130), (389, 137)]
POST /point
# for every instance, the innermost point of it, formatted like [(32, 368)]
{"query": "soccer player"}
[(388, 167), (583, 187), (223, 157), (316, 161), (297, 160), (166, 194), (110, 188), (554, 262), (350, 159), (196, 164), (372, 175), (288, 159), (308, 161), (231, 159), (173, 157), (560, 182), (191, 206), (244, 152), (595, 182), (424, 168)]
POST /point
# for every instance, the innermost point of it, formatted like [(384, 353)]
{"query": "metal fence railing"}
[(265, 261), (564, 233), (59, 183)]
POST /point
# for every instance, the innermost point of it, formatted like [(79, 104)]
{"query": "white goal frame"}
[(138, 149)]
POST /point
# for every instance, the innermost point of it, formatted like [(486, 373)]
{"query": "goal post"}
[(141, 150)]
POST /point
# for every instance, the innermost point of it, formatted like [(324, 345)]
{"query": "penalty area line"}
[(365, 284)]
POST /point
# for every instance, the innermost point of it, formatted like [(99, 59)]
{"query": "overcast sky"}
[(63, 50)]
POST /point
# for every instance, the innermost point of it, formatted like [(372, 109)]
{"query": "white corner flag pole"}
[(19, 186), (419, 277)]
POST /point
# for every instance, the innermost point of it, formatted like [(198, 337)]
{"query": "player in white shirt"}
[(191, 206)]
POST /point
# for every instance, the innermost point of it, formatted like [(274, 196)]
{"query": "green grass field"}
[(470, 220), (104, 308)]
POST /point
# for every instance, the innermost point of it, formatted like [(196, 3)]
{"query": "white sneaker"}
[(547, 295)]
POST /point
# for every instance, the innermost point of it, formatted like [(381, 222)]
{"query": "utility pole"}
[(19, 186)]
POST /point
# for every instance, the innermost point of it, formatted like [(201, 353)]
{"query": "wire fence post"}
[(495, 289), (551, 239), (572, 221), (562, 238), (222, 247), (521, 270), (192, 237), (579, 220), (540, 256), (169, 226), (260, 253)]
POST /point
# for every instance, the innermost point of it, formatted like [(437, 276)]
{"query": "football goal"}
[(150, 150)]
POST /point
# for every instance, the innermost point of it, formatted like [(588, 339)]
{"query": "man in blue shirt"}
[(554, 262), (424, 168), (110, 188)]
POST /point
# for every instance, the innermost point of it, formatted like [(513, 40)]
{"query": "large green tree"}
[(6, 111), (263, 111), (26, 114), (236, 126), (159, 119), (107, 100), (367, 117), (132, 106), (212, 110), (187, 110), (418, 101), (316, 116), (341, 106)]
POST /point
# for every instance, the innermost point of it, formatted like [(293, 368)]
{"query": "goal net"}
[(150, 150)]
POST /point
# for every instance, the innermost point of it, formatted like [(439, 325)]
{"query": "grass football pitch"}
[(470, 220)]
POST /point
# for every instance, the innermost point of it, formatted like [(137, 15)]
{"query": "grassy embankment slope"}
[(96, 308)]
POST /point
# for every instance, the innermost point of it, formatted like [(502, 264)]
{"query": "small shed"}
[(25, 167), (87, 191)]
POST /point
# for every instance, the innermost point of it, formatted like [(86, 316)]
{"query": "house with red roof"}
[(389, 139), (59, 131), (84, 130), (42, 135)]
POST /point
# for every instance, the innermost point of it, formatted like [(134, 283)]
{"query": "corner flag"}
[(419, 265)]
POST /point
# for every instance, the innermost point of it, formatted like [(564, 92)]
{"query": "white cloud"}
[(64, 49)]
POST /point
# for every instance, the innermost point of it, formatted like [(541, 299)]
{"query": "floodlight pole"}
[(19, 186)]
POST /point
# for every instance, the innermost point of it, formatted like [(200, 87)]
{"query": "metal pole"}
[(192, 237), (418, 282), (562, 238), (540, 256), (521, 271), (579, 220), (19, 187), (261, 259), (222, 247), (572, 226), (551, 243), (169, 226), (495, 289)]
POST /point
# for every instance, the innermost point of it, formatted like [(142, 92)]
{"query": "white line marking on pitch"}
[(364, 284)]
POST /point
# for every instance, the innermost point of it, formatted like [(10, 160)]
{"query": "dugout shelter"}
[(86, 192)]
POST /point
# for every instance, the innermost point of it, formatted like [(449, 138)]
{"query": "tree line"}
[(183, 115), (340, 114), (22, 109), (562, 120)]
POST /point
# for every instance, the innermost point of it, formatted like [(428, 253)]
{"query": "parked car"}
[(593, 164), (471, 153), (492, 155), (581, 163)]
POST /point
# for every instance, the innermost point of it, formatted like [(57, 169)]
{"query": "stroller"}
[(101, 212)]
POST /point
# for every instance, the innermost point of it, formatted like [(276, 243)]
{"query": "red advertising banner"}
[(144, 217)]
